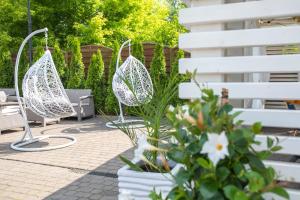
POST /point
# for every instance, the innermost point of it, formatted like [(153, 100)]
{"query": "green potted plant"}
[(217, 153), (150, 168)]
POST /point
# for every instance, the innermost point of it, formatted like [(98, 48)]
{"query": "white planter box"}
[(140, 184)]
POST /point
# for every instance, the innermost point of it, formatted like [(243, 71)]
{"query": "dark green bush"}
[(95, 80), (6, 69), (76, 67), (158, 67), (138, 51), (174, 74), (111, 103), (38, 53), (59, 61)]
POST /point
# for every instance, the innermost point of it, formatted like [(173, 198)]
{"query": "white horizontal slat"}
[(241, 64), (239, 11), (286, 171), (240, 38), (245, 90), (270, 118), (290, 144)]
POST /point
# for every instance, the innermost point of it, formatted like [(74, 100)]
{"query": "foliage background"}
[(93, 21)]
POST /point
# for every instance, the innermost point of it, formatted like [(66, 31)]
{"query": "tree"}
[(76, 67), (6, 70), (95, 79), (175, 64), (177, 77), (158, 67), (6, 65), (111, 103), (138, 51), (60, 62), (38, 52)]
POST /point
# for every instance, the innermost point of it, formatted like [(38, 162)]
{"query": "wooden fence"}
[(88, 50)]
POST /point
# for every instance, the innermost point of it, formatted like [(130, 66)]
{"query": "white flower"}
[(125, 195), (171, 108), (142, 145), (216, 147)]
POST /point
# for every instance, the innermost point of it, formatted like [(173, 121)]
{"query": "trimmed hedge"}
[(60, 63), (138, 51), (95, 80), (76, 67), (111, 103), (158, 67)]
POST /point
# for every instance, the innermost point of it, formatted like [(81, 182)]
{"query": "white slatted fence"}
[(205, 42)]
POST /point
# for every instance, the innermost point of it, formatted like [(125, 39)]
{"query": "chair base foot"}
[(20, 145), (133, 123)]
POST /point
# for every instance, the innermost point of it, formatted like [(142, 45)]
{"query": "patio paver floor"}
[(85, 170)]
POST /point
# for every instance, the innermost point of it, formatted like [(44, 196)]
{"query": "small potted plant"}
[(150, 167), (217, 155)]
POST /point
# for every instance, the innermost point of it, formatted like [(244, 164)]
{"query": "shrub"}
[(95, 79), (138, 51), (158, 67), (38, 53), (6, 69), (76, 67), (59, 61), (111, 103), (175, 64), (174, 74), (216, 153)]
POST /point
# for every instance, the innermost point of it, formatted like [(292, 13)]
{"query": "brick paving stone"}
[(63, 174)]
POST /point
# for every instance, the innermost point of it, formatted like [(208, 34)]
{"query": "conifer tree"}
[(60, 62), (111, 103), (158, 67), (138, 51), (6, 69), (95, 80), (174, 66), (76, 67), (175, 76), (38, 53)]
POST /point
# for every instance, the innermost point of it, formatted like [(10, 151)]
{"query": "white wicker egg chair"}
[(43, 93), (132, 86)]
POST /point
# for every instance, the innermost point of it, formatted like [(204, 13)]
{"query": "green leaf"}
[(256, 128), (177, 155), (233, 193), (270, 175), (208, 189), (230, 191), (131, 165), (204, 163), (182, 176), (280, 192), (256, 181), (270, 142), (264, 154), (276, 148), (222, 173), (255, 163), (240, 195)]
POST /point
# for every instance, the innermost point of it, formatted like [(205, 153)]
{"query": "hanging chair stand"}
[(28, 138), (121, 122)]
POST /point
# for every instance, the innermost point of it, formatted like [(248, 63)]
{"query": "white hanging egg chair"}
[(43, 93), (132, 86)]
